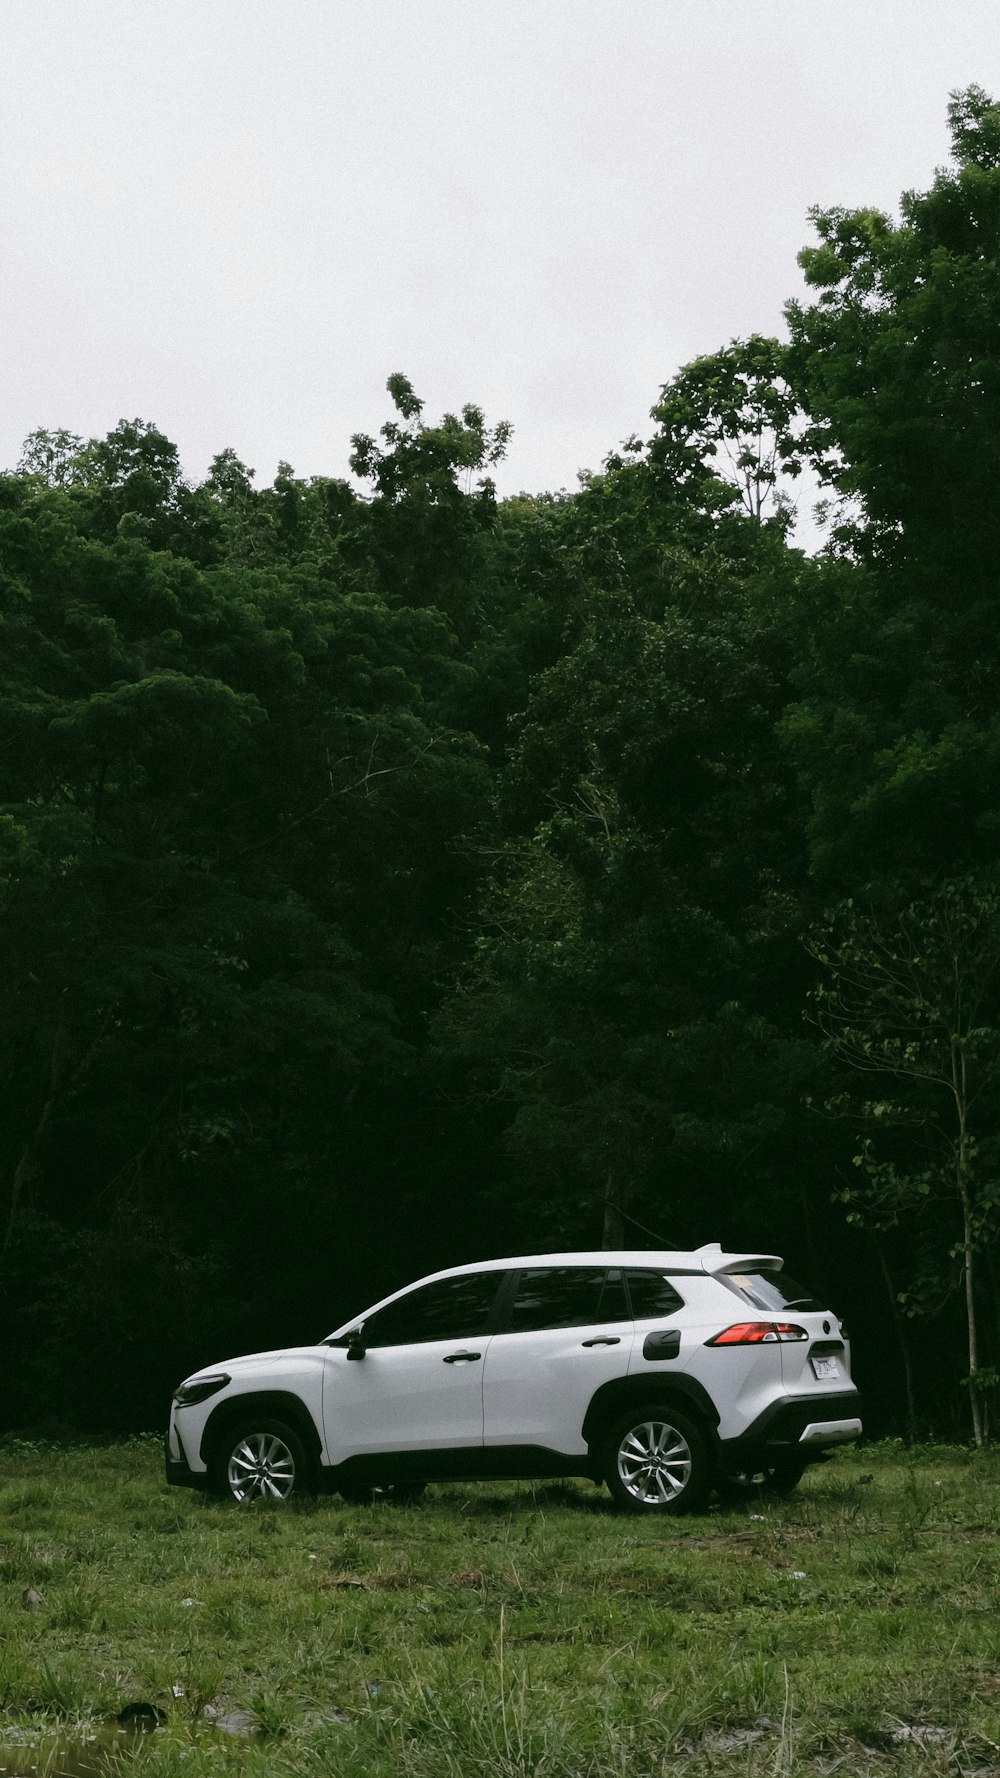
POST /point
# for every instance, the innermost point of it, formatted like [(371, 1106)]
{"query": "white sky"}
[(236, 217)]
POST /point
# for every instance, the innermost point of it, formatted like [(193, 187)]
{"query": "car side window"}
[(652, 1294), (567, 1296), (450, 1309)]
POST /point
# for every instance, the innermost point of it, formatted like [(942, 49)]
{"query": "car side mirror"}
[(353, 1342)]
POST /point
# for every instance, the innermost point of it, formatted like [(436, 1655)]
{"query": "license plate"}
[(824, 1367)]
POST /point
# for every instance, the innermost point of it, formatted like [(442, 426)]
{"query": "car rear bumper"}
[(804, 1424), (831, 1432)]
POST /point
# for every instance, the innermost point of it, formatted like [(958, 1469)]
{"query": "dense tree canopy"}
[(391, 874)]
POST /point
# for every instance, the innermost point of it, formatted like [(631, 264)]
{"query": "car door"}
[(569, 1331), (419, 1385)]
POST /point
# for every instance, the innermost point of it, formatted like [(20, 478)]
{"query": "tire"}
[(775, 1479), (656, 1461), (261, 1459)]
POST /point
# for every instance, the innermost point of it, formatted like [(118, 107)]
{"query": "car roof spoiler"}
[(715, 1261)]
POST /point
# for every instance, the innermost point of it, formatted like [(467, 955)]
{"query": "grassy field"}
[(504, 1630)]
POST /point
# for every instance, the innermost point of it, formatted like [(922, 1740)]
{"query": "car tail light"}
[(757, 1333)]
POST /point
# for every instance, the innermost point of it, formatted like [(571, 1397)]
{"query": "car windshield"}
[(772, 1290)]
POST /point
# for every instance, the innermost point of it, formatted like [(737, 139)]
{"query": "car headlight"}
[(199, 1390)]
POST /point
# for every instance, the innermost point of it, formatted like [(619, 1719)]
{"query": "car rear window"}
[(771, 1290)]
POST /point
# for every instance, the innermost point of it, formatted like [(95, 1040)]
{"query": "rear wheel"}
[(261, 1459), (656, 1461)]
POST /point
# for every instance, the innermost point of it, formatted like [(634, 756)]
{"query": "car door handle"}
[(462, 1357), (604, 1340)]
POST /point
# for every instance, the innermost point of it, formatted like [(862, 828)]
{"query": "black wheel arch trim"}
[(272, 1404), (616, 1397)]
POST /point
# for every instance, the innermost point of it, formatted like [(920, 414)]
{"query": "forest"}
[(394, 875)]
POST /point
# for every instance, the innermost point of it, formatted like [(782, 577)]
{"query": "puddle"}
[(104, 1752), (31, 1753)]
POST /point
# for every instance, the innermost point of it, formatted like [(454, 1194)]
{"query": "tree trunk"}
[(991, 1272), (904, 1345), (968, 1235), (613, 1234), (975, 1399), (33, 1141)]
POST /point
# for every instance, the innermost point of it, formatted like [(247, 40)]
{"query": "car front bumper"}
[(178, 1471)]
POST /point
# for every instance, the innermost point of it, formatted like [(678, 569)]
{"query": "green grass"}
[(508, 1630)]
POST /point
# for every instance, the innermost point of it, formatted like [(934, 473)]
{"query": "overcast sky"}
[(236, 217)]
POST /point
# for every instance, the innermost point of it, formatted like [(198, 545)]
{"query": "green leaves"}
[(727, 427), (896, 363), (913, 996), (227, 866), (426, 462), (615, 1008), (974, 120)]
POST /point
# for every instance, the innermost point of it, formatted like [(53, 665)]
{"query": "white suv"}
[(663, 1374)]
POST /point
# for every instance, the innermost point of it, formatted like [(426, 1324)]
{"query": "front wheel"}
[(656, 1461), (261, 1459)]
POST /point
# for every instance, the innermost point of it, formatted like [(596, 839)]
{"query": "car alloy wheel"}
[(262, 1460), (656, 1462)]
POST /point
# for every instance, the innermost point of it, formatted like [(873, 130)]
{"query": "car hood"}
[(274, 1360)]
